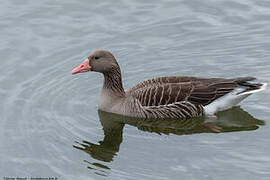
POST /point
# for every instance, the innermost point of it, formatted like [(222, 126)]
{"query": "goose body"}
[(165, 97)]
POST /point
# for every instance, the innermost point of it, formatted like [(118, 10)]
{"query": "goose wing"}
[(168, 90), (168, 80)]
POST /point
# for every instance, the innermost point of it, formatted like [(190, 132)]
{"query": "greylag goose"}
[(165, 97)]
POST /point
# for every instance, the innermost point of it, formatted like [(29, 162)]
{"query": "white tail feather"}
[(263, 87), (229, 100)]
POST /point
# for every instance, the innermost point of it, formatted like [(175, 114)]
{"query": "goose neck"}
[(113, 82)]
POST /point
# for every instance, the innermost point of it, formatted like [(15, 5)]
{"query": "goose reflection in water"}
[(235, 119)]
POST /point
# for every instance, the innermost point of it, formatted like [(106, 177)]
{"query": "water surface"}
[(49, 122)]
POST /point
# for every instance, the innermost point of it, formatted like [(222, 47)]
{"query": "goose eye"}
[(96, 57)]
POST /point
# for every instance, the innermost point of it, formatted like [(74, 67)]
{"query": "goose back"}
[(168, 90)]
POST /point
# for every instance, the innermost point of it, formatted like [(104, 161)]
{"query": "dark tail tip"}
[(244, 79)]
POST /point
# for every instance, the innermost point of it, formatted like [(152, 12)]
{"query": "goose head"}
[(101, 61)]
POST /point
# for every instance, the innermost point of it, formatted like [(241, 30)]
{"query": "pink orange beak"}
[(84, 67)]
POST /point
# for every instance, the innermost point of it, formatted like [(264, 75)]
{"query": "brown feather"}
[(168, 90)]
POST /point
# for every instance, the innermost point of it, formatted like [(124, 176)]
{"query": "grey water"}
[(50, 125)]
